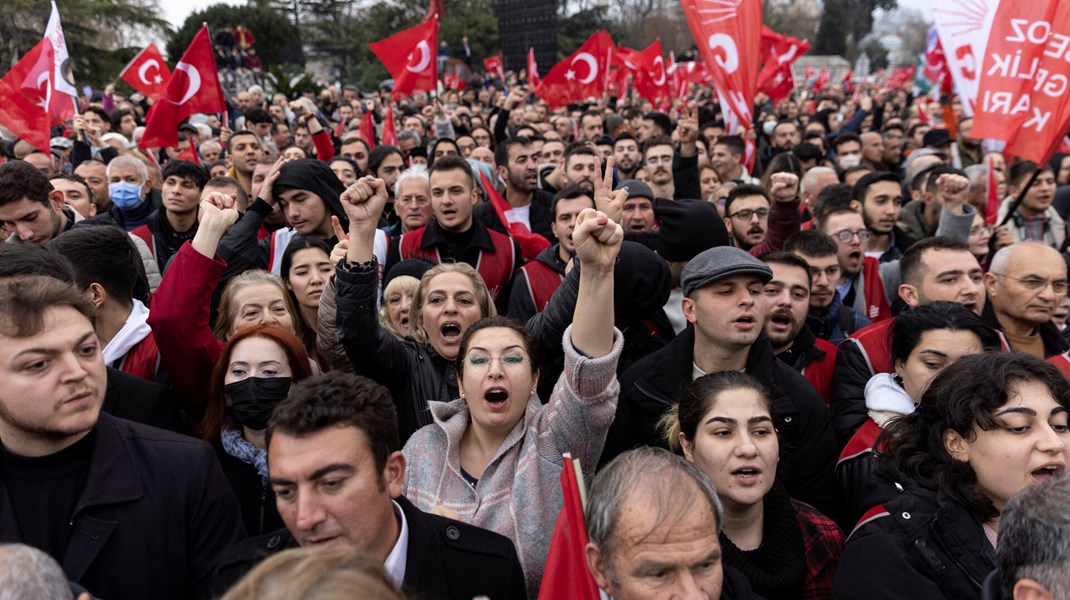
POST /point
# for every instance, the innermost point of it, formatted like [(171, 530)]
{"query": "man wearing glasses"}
[(758, 225), (860, 283), (1025, 282)]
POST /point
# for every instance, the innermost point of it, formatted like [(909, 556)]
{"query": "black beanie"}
[(688, 227), (316, 177)]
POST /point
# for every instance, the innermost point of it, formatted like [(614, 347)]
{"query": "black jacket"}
[(446, 559), (153, 520), (1054, 342), (414, 373), (807, 449), (924, 546), (142, 401), (541, 215), (255, 496)]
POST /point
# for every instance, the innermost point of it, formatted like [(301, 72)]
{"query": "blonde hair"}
[(224, 322), (313, 574), (486, 304), (402, 284)]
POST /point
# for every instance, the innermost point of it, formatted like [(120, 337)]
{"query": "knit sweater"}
[(519, 493)]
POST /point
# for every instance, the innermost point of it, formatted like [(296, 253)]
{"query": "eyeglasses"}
[(482, 361), (847, 235), (1037, 284), (747, 213)]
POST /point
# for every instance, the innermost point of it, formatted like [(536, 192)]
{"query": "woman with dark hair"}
[(786, 548), (987, 427), (1035, 219), (306, 268), (441, 147), (254, 373), (923, 342)]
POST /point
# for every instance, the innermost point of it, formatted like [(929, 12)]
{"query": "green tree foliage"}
[(278, 41), (93, 29), (832, 31)]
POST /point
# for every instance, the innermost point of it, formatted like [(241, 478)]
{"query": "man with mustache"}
[(759, 221), (788, 298)]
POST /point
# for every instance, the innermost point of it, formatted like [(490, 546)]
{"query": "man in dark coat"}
[(128, 511), (337, 471), (723, 303)]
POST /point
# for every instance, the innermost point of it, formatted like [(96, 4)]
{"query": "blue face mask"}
[(125, 195)]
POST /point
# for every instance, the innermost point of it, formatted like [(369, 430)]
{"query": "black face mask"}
[(251, 400)]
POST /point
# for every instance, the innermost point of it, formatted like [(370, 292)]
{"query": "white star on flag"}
[(570, 74)]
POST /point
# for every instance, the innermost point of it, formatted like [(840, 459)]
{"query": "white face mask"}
[(851, 160), (768, 127)]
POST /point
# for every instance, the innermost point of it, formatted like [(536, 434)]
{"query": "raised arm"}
[(598, 240)]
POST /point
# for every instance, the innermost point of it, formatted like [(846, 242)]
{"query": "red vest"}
[(862, 442), (819, 372), (877, 308), (1062, 362), (874, 342), (143, 360), (543, 281), (496, 268)]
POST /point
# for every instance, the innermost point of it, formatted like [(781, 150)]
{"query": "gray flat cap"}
[(720, 262)]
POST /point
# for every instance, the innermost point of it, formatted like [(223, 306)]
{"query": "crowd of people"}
[(283, 360)]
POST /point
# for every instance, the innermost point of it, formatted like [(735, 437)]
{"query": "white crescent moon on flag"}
[(144, 68), (194, 80), (660, 71), (790, 54), (425, 58), (592, 66), (730, 61), (44, 78)]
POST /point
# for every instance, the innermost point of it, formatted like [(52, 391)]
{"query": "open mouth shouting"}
[(496, 397), (747, 475), (451, 332), (1048, 472), (782, 321)]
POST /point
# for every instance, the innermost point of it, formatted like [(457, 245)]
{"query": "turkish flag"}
[(38, 92), (411, 56), (776, 78), (581, 75), (533, 69), (193, 88), (147, 73), (390, 134), (651, 80), (624, 61), (728, 36), (823, 79), (367, 129), (1021, 98), (531, 244), (494, 65), (935, 62), (565, 574)]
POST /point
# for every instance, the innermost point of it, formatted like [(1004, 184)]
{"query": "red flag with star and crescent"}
[(411, 57), (147, 73), (580, 76), (779, 52), (193, 88), (651, 79)]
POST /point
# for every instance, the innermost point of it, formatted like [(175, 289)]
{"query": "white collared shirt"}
[(397, 560)]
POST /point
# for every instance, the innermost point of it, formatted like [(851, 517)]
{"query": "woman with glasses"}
[(493, 457)]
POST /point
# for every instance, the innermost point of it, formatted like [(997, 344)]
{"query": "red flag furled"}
[(728, 36), (533, 69), (193, 88), (581, 75), (411, 57), (565, 574), (390, 135), (650, 79), (992, 203), (776, 78), (147, 73), (494, 65), (1021, 95), (823, 79), (367, 129), (531, 244), (935, 69), (38, 92)]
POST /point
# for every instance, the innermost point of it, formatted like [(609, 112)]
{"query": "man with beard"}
[(754, 224), (893, 138), (581, 166), (536, 281), (860, 283), (881, 199), (658, 154), (827, 317), (723, 302), (86, 487), (592, 126), (517, 161), (788, 295), (625, 155)]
